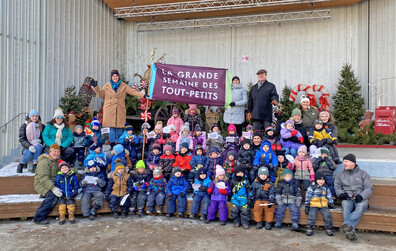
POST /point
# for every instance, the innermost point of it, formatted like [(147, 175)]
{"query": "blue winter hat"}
[(266, 143), (118, 149), (147, 126), (95, 122), (184, 145), (94, 146), (78, 126), (202, 171), (128, 127), (33, 112), (92, 163)]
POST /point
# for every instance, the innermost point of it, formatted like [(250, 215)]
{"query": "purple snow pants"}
[(215, 206)]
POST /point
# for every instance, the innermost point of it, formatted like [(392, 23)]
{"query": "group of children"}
[(263, 173)]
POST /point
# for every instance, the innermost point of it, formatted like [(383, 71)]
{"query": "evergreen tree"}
[(348, 100), (72, 102), (286, 105)]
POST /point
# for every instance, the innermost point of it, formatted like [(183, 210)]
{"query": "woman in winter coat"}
[(309, 113), (235, 114), (31, 140), (58, 132), (114, 111)]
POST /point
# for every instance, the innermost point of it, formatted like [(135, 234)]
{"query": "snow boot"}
[(245, 226), (34, 168), (180, 214), (62, 214), (295, 226), (20, 168), (237, 224), (159, 210), (124, 214), (115, 215), (91, 216), (131, 210), (268, 225), (207, 221), (259, 225), (169, 215), (309, 232), (351, 235), (222, 223), (346, 228), (203, 217), (278, 224), (329, 232), (140, 212), (193, 216), (42, 222), (71, 209)]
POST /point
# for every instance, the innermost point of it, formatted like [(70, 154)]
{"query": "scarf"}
[(33, 132), (58, 138), (115, 85)]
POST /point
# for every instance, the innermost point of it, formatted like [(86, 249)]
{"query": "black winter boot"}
[(34, 168), (124, 214), (115, 215), (259, 225), (20, 167), (268, 225), (193, 216)]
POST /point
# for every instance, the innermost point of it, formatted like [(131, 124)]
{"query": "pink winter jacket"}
[(303, 169), (177, 122)]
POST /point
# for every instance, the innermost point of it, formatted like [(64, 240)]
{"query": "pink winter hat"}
[(193, 107), (158, 126), (219, 170), (302, 149), (232, 127)]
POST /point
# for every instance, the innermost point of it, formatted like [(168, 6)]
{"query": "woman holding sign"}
[(236, 113), (114, 111)]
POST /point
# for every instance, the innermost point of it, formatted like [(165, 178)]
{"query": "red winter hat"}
[(61, 163)]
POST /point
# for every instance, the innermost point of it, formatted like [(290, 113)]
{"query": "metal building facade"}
[(47, 45)]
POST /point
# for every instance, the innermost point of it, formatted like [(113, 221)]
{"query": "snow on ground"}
[(10, 170)]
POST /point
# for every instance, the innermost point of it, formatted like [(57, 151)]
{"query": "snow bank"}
[(10, 170)]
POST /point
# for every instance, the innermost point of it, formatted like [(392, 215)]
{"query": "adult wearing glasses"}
[(114, 111), (57, 131)]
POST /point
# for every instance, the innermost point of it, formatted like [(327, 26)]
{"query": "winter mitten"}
[(315, 142), (301, 139), (182, 195), (57, 192), (93, 83), (232, 104), (279, 147), (312, 177), (170, 196), (32, 149), (307, 210), (136, 188), (203, 188), (344, 196), (126, 141), (358, 198), (329, 141), (210, 190), (322, 142), (335, 142), (294, 132), (84, 182), (331, 205), (99, 181), (36, 142), (223, 191)]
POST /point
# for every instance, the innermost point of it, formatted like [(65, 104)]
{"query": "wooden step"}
[(374, 219), (384, 194)]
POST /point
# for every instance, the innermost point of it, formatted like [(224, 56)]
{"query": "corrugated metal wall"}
[(47, 45), (310, 52)]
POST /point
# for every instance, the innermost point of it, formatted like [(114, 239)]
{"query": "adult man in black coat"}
[(262, 96)]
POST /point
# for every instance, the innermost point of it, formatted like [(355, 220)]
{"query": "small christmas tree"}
[(348, 100), (72, 102), (286, 105)]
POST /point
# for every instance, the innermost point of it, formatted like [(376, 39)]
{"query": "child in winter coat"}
[(214, 159), (319, 137), (327, 166), (92, 183), (200, 186), (197, 162), (129, 141), (214, 138), (264, 196), (303, 169), (155, 154), (246, 157), (139, 148), (67, 181), (291, 139), (156, 192), (199, 138), (97, 134), (157, 138), (140, 179), (169, 137), (119, 186), (176, 190), (183, 159), (231, 141), (283, 164), (96, 154), (266, 157), (219, 190), (175, 120), (298, 124), (250, 130), (78, 144), (118, 152), (166, 161), (192, 117), (230, 164), (241, 198), (287, 195), (184, 137), (271, 137), (319, 198)]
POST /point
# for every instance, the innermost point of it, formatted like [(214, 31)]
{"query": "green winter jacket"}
[(49, 135), (46, 171), (309, 116)]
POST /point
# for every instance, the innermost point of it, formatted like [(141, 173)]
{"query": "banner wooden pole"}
[(145, 122)]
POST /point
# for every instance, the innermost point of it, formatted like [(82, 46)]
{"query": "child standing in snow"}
[(67, 181), (319, 198), (176, 190), (201, 196), (156, 191), (219, 190)]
